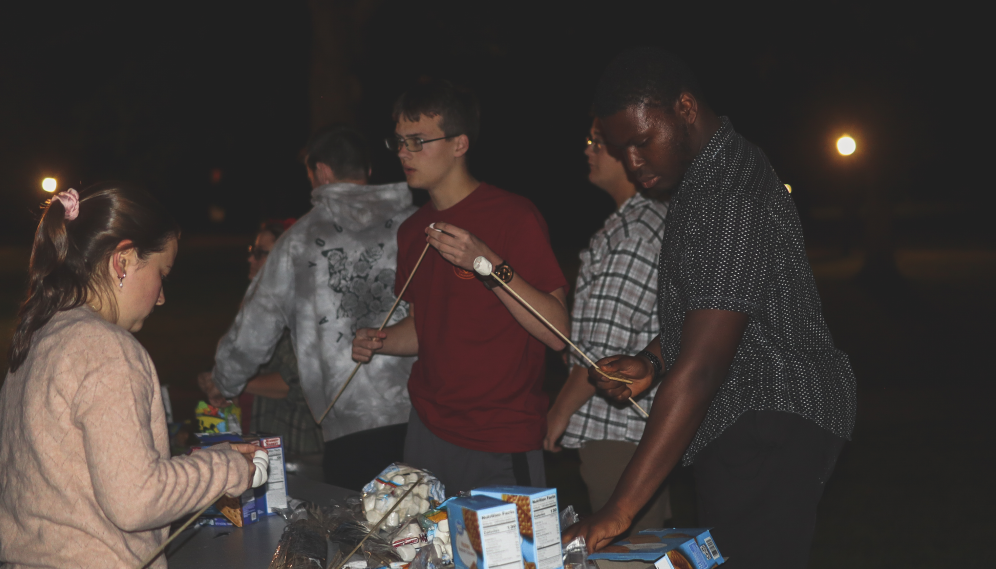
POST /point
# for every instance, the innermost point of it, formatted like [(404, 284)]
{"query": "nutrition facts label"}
[(276, 495), (500, 539), (546, 532)]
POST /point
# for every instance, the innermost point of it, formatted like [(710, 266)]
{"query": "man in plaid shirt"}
[(615, 311)]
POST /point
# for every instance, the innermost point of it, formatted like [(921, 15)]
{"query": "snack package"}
[(254, 502), (215, 420), (228, 511), (539, 522), (674, 548), (273, 495), (383, 492), (575, 551), (484, 533)]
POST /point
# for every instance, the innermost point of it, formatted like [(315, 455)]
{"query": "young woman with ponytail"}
[(86, 478)]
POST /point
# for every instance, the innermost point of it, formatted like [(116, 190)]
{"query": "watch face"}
[(505, 272)]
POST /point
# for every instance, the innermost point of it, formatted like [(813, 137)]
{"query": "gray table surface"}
[(250, 547)]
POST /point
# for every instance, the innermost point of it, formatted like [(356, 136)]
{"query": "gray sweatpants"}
[(461, 469)]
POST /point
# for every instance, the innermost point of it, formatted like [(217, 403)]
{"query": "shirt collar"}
[(708, 153)]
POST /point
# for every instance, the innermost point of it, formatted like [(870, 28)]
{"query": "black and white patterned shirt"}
[(615, 312), (733, 241)]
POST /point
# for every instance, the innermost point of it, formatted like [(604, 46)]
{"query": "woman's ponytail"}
[(73, 243)]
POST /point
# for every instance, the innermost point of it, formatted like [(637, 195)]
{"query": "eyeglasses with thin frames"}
[(394, 143), (258, 253), (595, 145)]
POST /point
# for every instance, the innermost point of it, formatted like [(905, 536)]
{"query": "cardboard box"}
[(674, 548), (539, 522), (237, 512), (484, 533), (273, 494), (254, 502)]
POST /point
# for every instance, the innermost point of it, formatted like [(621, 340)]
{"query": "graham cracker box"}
[(484, 533), (539, 522), (673, 548), (254, 502), (273, 494)]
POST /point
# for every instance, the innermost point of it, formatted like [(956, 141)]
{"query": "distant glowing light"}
[(789, 188), (49, 184), (846, 145)]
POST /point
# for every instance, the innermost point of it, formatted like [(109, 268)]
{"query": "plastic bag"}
[(427, 558), (304, 544), (384, 492), (575, 552)]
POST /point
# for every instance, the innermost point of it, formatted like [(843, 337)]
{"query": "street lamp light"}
[(49, 184), (846, 145)]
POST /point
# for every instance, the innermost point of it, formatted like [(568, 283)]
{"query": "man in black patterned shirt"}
[(752, 390)]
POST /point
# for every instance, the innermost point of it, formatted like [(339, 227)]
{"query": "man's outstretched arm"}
[(709, 341), (461, 247)]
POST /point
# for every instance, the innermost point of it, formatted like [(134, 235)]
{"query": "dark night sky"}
[(163, 95)]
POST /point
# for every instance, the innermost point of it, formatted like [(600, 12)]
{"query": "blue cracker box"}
[(484, 533), (255, 502), (539, 522), (673, 548)]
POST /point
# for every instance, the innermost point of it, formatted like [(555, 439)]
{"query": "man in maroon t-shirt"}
[(478, 409)]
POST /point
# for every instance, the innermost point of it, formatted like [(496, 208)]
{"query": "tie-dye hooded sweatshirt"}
[(331, 273)]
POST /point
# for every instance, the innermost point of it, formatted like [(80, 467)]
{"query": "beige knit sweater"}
[(86, 479)]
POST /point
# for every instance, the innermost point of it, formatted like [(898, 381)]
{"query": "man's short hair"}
[(648, 76), (458, 107), (342, 149)]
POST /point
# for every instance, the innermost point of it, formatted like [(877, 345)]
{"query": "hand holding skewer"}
[(483, 267)]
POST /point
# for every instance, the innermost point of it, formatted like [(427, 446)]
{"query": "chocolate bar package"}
[(484, 533), (674, 548), (539, 522)]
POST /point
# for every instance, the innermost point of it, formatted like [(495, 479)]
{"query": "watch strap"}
[(654, 361)]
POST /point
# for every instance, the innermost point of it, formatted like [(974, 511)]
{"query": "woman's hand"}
[(248, 451)]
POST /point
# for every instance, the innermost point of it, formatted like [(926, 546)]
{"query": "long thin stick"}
[(156, 553), (566, 339), (388, 317), (381, 522)]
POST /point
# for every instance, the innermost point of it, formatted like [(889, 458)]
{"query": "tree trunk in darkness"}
[(337, 31)]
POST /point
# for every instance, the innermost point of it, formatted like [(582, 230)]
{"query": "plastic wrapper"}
[(427, 558), (304, 544), (575, 552), (381, 494), (211, 419), (379, 552)]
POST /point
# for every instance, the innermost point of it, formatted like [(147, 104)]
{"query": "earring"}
[(121, 280)]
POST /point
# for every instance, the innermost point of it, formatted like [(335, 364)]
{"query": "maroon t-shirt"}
[(478, 379)]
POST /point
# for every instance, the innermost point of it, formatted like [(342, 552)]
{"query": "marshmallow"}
[(411, 478), (406, 552), (398, 479), (443, 526), (262, 462), (482, 266)]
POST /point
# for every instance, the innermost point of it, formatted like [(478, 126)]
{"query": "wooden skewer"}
[(162, 547), (566, 339), (381, 522), (388, 317)]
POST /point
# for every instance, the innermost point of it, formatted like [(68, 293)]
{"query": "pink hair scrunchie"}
[(71, 202)]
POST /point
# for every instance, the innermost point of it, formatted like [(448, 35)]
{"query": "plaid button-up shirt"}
[(615, 312)]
